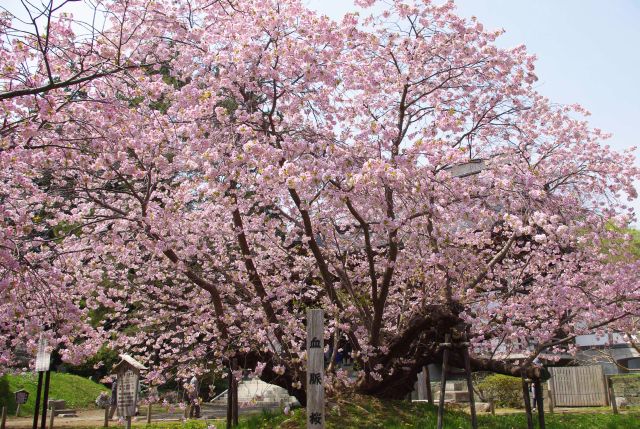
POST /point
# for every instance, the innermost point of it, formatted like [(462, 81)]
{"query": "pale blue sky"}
[(588, 53)]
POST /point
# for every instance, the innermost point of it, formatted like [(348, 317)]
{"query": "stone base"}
[(453, 396)]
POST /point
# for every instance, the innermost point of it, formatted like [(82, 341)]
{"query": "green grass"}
[(78, 392), (364, 412), (368, 413)]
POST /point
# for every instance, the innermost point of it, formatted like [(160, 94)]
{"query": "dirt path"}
[(85, 418)]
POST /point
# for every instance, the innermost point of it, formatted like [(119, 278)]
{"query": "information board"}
[(22, 396), (43, 358), (127, 393)]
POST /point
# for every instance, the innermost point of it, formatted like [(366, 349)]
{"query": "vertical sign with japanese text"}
[(315, 369), (127, 393)]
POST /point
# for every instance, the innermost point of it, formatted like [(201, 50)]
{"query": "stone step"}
[(57, 404), (65, 412)]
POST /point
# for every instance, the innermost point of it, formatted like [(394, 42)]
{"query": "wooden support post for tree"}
[(315, 369), (230, 397), (3, 419), (612, 396), (36, 408), (234, 411), (492, 407), (45, 399), (443, 379), (18, 410), (472, 402), (527, 401), (551, 400), (106, 416), (149, 413), (51, 418), (427, 382), (539, 402)]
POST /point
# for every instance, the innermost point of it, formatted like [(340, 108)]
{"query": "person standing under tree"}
[(114, 397), (194, 401)]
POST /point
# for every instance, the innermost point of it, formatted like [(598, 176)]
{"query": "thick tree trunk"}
[(417, 346), (399, 384)]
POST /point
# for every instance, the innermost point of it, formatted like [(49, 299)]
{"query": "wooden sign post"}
[(128, 373), (315, 369)]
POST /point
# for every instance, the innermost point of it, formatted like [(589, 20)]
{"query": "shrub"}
[(504, 390)]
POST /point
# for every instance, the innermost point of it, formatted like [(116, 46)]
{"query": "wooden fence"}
[(578, 386)]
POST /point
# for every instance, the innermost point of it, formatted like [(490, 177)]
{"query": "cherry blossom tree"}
[(48, 62), (395, 168)]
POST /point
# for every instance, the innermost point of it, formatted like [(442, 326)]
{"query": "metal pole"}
[(45, 399), (527, 401), (36, 408), (540, 402), (472, 401), (443, 379)]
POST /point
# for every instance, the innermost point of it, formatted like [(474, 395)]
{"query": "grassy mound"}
[(364, 412), (78, 392)]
